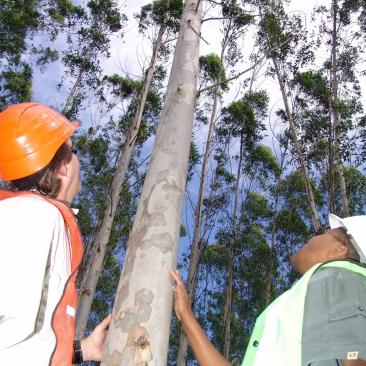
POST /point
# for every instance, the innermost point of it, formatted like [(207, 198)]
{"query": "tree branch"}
[(232, 78), (241, 73)]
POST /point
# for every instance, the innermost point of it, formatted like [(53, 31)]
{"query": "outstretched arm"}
[(205, 352)]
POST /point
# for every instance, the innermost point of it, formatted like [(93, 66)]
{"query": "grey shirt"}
[(334, 326)]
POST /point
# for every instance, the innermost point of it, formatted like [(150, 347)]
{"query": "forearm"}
[(205, 352)]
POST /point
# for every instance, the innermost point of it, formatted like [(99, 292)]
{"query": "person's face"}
[(319, 249), (73, 175)]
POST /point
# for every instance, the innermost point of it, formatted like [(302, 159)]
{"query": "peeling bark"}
[(149, 258), (95, 264)]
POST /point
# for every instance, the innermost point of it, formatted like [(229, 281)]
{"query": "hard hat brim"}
[(41, 158), (355, 226)]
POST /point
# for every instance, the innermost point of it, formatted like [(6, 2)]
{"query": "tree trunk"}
[(330, 174), (336, 124), (94, 268), (139, 332), (269, 279), (76, 85), (229, 284), (300, 157), (294, 133), (196, 250)]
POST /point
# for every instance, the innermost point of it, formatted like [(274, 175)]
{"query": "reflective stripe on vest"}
[(63, 319), (276, 338)]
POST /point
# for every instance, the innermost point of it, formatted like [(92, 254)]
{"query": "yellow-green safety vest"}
[(276, 338)]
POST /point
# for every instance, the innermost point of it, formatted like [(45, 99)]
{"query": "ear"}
[(337, 252), (63, 171)]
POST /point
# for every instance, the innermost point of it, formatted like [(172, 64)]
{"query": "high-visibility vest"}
[(62, 324), (276, 338)]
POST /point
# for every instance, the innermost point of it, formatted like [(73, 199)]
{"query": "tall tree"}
[(234, 23), (89, 39), (139, 330), (280, 35), (166, 15), (20, 22)]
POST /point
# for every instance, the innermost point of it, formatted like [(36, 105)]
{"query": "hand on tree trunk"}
[(92, 346), (205, 352), (183, 308)]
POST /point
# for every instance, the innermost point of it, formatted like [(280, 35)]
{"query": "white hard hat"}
[(356, 229)]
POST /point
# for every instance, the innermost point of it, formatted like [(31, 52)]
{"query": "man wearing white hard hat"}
[(320, 321)]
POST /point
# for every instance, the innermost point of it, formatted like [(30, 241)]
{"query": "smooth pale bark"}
[(335, 113), (139, 332), (95, 264), (196, 250)]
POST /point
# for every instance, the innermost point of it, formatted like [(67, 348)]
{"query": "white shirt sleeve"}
[(31, 230)]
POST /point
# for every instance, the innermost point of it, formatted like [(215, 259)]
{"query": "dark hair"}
[(45, 181), (346, 240)]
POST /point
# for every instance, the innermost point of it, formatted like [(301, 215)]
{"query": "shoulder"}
[(338, 275), (30, 211), (29, 204), (334, 310)]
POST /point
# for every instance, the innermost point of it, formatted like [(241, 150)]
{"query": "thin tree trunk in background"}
[(330, 173), (336, 124), (74, 88), (300, 157), (269, 279), (296, 142), (195, 251), (139, 332), (229, 284), (94, 267)]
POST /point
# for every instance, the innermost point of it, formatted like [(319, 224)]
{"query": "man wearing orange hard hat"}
[(41, 246)]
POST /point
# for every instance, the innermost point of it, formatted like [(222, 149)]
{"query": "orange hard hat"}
[(30, 135)]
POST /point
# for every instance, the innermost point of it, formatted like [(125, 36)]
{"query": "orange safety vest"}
[(63, 325)]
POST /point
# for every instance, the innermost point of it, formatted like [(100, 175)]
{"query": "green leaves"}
[(161, 13), (16, 85), (212, 69)]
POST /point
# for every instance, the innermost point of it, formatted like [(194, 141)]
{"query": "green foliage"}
[(356, 190), (314, 84), (161, 13), (194, 158), (232, 10), (16, 19), (272, 29), (243, 119), (212, 69), (16, 86), (89, 41)]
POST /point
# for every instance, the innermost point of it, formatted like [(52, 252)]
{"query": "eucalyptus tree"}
[(234, 23), (112, 139), (280, 34), (20, 22), (139, 331), (163, 15), (318, 133), (89, 40), (241, 121), (250, 254), (342, 38)]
